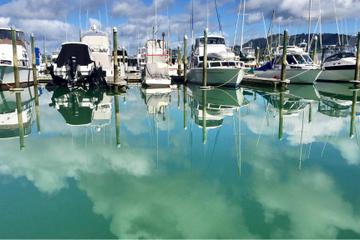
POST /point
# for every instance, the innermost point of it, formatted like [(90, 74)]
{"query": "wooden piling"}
[(353, 114), (179, 61), (185, 58), (33, 60), (117, 121), (357, 67), (204, 103), (184, 106), (257, 56), (20, 121), (116, 64), (281, 116), (45, 58), (163, 42), (283, 63), (205, 63), (315, 49), (15, 58)]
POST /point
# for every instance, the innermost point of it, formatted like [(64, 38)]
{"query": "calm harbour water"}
[(269, 164)]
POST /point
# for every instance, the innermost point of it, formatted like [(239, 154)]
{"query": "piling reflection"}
[(16, 115)]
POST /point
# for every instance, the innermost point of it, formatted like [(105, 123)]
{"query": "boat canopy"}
[(339, 56), (5, 34), (78, 50)]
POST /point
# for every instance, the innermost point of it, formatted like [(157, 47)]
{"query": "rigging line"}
[(218, 18)]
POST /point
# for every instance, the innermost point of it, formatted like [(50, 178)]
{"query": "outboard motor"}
[(73, 68)]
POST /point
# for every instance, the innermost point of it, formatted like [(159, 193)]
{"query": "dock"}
[(251, 79)]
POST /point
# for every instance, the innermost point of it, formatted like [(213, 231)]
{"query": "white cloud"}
[(4, 21)]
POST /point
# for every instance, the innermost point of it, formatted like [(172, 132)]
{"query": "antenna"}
[(87, 19), (66, 29), (106, 14), (99, 19), (80, 25)]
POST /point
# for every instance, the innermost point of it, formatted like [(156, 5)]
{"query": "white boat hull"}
[(7, 75), (227, 77), (157, 82), (341, 75), (297, 76)]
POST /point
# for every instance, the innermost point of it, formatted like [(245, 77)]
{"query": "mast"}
[(309, 26), (242, 26), (237, 23), (320, 27), (337, 23), (155, 27), (207, 14), (192, 24)]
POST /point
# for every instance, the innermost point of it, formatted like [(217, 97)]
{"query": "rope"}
[(301, 74), (225, 83)]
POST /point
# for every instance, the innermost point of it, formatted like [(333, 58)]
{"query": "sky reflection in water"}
[(152, 171)]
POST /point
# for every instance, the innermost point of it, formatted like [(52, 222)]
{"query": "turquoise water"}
[(180, 163)]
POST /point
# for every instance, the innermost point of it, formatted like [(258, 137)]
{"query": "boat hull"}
[(339, 75), (227, 77), (296, 76), (7, 76)]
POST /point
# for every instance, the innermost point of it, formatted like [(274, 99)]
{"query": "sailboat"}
[(7, 78)]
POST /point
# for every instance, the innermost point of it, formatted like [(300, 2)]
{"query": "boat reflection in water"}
[(157, 101), (16, 114), (210, 107), (81, 107), (340, 101), (242, 183)]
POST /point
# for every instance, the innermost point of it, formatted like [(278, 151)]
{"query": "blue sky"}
[(60, 20)]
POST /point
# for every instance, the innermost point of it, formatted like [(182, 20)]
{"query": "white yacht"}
[(76, 65), (339, 67), (156, 72), (99, 45), (223, 68), (299, 67), (7, 78)]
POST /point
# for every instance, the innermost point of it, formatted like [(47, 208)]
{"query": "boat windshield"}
[(300, 59), (6, 34), (307, 59), (213, 40)]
